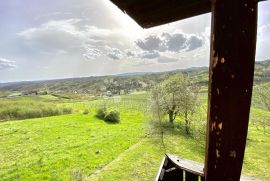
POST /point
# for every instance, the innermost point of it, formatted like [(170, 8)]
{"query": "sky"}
[(54, 39)]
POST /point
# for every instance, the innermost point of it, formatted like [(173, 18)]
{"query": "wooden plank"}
[(187, 165), (168, 171), (234, 26), (161, 170)]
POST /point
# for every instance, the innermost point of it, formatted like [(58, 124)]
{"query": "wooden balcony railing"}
[(174, 168)]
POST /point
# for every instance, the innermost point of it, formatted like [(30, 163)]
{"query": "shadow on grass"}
[(175, 140), (105, 121), (171, 128)]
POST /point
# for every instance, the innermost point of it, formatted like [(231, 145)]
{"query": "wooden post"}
[(233, 45)]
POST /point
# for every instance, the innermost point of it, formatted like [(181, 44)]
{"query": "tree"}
[(261, 98), (177, 95), (263, 93)]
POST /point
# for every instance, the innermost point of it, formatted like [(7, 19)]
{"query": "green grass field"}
[(31, 107), (81, 147)]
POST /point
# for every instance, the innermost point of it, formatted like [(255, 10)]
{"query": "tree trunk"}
[(171, 117), (186, 122)]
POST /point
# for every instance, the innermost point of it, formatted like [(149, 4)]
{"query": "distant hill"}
[(176, 70), (126, 81)]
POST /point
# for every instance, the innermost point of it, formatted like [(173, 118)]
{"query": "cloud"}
[(92, 53), (150, 55), (164, 59), (263, 32), (114, 53), (151, 43), (71, 35), (54, 36), (143, 63), (166, 42), (6, 64), (194, 42), (130, 53), (174, 42)]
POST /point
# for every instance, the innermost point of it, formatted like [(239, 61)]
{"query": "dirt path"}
[(250, 178), (118, 158)]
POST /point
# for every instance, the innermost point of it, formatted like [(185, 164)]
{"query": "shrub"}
[(67, 110), (101, 112), (112, 117), (86, 111)]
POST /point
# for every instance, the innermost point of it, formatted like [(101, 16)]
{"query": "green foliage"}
[(66, 110), (261, 102), (86, 111), (177, 95), (65, 88), (101, 112), (112, 117), (262, 96)]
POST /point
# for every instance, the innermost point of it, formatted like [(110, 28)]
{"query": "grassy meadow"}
[(76, 145), (31, 107)]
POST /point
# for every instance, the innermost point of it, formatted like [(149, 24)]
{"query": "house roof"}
[(149, 13)]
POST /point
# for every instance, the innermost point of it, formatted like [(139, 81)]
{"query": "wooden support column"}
[(233, 45)]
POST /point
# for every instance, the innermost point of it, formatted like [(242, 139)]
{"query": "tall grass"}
[(24, 109)]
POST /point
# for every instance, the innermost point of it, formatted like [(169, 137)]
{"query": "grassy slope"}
[(31, 107), (143, 162), (53, 148), (61, 147)]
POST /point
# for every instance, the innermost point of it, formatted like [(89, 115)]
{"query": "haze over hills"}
[(126, 81)]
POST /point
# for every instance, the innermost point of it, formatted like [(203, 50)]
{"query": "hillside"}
[(122, 82)]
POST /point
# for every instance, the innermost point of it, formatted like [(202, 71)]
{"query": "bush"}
[(101, 112), (112, 117), (67, 110), (86, 111)]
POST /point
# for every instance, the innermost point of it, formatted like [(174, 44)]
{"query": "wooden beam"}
[(152, 13), (233, 37)]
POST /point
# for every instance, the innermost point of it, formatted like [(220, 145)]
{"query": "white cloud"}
[(92, 53), (150, 55), (6, 64), (263, 32), (74, 37), (67, 26), (164, 59), (114, 53), (70, 36), (263, 42), (54, 36)]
